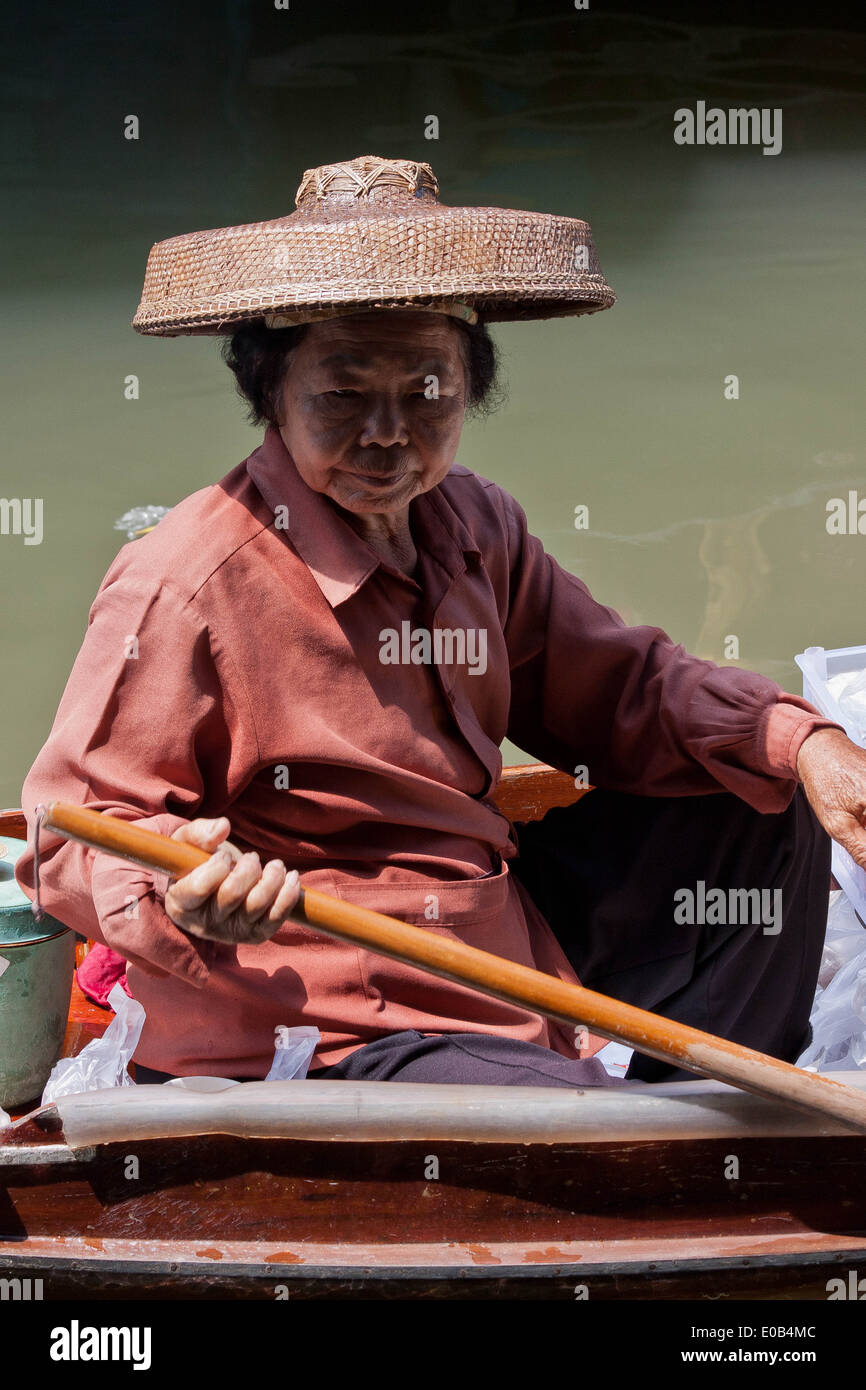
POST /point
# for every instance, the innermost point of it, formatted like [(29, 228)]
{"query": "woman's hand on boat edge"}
[(833, 772), (230, 898)]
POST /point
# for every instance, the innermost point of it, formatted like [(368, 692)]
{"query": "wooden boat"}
[(323, 1189)]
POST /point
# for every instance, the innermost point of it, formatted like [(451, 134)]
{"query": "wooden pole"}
[(649, 1033)]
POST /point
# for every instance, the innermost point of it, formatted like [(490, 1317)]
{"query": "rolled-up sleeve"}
[(142, 729), (631, 705)]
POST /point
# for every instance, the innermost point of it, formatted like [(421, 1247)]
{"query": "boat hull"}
[(215, 1216)]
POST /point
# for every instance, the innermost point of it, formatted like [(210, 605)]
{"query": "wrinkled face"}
[(372, 407)]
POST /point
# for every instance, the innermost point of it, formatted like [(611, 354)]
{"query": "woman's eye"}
[(343, 393)]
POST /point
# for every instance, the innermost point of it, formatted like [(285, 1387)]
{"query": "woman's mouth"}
[(377, 480)]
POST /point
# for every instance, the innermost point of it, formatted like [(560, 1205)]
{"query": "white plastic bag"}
[(293, 1054), (844, 940), (102, 1064), (849, 691), (292, 1057), (615, 1058), (838, 1015)]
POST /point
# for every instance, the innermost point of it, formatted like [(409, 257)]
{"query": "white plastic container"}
[(819, 665)]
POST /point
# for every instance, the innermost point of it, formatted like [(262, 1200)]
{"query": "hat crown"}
[(367, 179)]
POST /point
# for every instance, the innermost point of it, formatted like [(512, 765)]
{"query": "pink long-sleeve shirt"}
[(233, 665)]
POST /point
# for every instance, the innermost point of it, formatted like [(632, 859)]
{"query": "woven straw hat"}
[(371, 233)]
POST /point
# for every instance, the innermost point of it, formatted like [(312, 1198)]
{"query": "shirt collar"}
[(338, 558)]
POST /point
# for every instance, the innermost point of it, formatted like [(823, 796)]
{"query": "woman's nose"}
[(385, 424)]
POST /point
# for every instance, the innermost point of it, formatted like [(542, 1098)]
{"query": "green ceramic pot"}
[(37, 960)]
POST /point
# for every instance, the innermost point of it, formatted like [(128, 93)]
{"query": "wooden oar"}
[(503, 979)]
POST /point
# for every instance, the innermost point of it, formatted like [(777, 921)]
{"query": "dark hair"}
[(259, 356)]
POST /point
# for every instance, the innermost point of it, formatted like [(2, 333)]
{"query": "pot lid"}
[(17, 923)]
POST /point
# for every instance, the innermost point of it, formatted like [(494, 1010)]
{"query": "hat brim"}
[(508, 265)]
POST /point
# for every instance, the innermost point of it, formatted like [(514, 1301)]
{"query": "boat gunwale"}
[(223, 1271), (370, 1112)]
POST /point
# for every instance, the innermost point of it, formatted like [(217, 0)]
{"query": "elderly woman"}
[(308, 669)]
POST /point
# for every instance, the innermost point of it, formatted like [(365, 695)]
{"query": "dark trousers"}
[(612, 874)]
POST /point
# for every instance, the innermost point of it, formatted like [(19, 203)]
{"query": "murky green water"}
[(706, 515)]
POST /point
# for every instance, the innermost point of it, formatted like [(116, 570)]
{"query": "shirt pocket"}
[(483, 912)]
